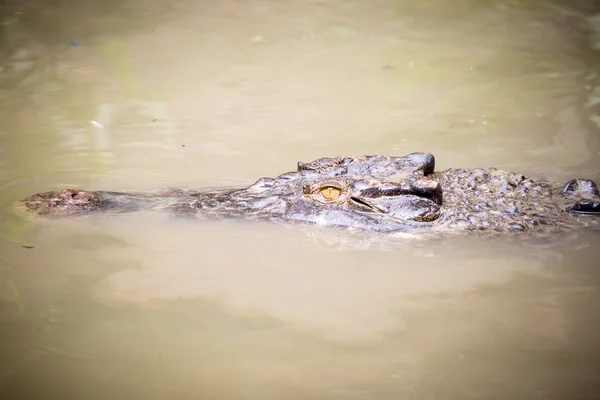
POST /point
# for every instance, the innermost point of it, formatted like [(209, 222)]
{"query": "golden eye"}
[(330, 192)]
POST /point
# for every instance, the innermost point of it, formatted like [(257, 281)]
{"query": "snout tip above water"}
[(59, 203)]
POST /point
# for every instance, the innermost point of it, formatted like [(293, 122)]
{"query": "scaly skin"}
[(372, 193)]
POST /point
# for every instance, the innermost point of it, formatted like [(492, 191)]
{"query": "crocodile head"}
[(374, 192)]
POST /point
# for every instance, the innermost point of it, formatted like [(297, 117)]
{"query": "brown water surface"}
[(141, 95)]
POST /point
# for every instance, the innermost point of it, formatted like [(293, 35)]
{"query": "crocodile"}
[(385, 194)]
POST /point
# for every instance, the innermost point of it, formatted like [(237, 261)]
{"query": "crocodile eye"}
[(330, 192)]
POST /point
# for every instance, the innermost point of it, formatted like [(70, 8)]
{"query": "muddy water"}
[(146, 95)]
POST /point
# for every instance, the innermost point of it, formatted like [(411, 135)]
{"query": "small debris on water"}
[(183, 145), (97, 124), (26, 246)]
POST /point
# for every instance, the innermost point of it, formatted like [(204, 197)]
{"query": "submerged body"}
[(374, 193)]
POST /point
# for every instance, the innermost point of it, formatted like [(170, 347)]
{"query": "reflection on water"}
[(145, 95), (125, 302)]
